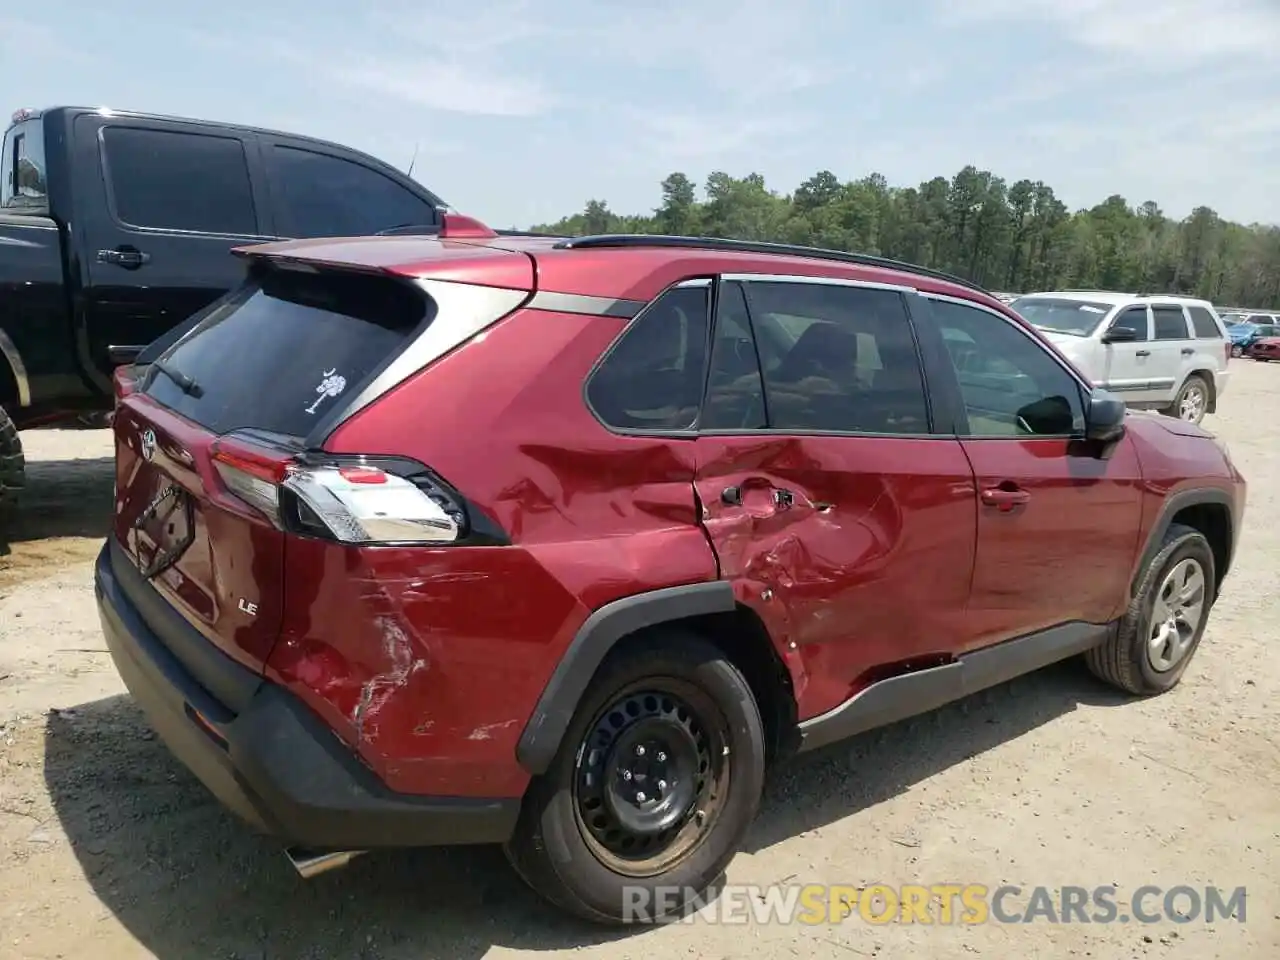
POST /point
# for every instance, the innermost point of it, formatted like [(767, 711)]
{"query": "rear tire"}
[(1191, 401), (13, 465), (656, 782), (1156, 638)]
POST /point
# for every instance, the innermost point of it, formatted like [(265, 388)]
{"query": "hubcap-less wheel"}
[(1191, 405), (650, 776), (1176, 615)]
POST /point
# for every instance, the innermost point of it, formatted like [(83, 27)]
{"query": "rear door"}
[(1055, 526), (160, 204), (834, 510), (200, 445), (1173, 350), (319, 190)]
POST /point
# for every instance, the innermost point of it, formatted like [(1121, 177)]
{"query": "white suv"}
[(1157, 353)]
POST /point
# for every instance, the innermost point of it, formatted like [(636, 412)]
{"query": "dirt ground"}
[(110, 850)]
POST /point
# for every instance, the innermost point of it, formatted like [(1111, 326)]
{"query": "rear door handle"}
[(1187, 351), (1143, 353), (1005, 498), (732, 496), (131, 258)]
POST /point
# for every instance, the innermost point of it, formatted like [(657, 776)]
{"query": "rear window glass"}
[(1077, 318), (24, 186), (1169, 323), (283, 352), (1202, 322)]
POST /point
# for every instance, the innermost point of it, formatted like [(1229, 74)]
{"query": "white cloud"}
[(446, 86), (1154, 30)]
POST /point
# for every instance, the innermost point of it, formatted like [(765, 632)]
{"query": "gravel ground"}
[(110, 850)]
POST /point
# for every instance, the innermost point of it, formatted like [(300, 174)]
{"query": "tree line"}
[(1015, 238)]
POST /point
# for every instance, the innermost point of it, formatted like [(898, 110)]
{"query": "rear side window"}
[(326, 196), (282, 352), (1203, 324), (1169, 323), (24, 185), (835, 358), (179, 181), (652, 377)]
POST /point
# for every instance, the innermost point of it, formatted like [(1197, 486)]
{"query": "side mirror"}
[(1104, 421), (1120, 335)]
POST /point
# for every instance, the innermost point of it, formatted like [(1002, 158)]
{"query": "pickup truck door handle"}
[(131, 258), (1005, 497), (1143, 353)]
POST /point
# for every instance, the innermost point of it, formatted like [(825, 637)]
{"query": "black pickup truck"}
[(116, 226)]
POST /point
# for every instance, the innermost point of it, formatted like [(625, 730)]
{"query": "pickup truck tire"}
[(1135, 658), (1191, 401), (13, 465), (670, 715)]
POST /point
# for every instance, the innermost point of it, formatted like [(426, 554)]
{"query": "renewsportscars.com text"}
[(940, 904)]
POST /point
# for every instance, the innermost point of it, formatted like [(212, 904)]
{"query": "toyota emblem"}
[(148, 444)]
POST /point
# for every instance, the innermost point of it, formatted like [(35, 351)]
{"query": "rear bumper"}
[(275, 763)]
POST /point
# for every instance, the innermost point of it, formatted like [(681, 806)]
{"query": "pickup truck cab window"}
[(22, 168), (326, 196), (150, 173)]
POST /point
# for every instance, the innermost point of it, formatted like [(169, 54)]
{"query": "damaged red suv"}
[(561, 544)]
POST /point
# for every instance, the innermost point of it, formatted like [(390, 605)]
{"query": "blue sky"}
[(524, 110)]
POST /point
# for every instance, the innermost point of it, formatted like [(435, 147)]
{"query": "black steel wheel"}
[(650, 774), (653, 787)]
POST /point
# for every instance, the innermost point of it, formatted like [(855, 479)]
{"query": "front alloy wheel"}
[(1176, 614)]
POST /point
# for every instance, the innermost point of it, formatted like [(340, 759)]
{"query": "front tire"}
[(1160, 632), (656, 782), (13, 465)]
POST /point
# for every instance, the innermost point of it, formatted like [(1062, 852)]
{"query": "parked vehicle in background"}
[(1157, 352), (562, 544), (1265, 348), (1243, 335), (116, 226)]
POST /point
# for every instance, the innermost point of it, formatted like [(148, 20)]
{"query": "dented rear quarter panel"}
[(429, 661)]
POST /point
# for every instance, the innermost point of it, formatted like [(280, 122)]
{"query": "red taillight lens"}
[(123, 382), (252, 473)]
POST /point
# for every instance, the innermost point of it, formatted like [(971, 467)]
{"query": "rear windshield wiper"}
[(186, 383)]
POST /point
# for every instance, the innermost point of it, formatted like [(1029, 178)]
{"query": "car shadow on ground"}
[(186, 879), (62, 498)]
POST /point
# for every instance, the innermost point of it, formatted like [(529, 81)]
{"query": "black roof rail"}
[(433, 230), (624, 240)]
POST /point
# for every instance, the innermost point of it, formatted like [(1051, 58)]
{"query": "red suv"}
[(562, 543)]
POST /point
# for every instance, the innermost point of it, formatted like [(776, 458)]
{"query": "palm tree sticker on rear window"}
[(332, 385)]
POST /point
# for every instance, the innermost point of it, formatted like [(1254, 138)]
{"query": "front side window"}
[(1169, 323), (330, 197), (1010, 385), (652, 377), (1135, 319), (170, 180), (837, 358)]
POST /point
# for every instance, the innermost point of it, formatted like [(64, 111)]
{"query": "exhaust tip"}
[(312, 863)]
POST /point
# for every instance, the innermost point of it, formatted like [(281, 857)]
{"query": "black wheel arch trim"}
[(599, 633), (1172, 506)]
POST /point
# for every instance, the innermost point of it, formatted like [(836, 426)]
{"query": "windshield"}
[(1077, 318)]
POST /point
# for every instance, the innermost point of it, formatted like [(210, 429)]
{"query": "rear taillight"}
[(124, 381), (351, 499)]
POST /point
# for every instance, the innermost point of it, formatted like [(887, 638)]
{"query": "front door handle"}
[(783, 498), (1187, 351), (1005, 497), (1143, 353), (131, 258)]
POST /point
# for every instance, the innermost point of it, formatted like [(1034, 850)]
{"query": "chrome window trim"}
[(822, 281)]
